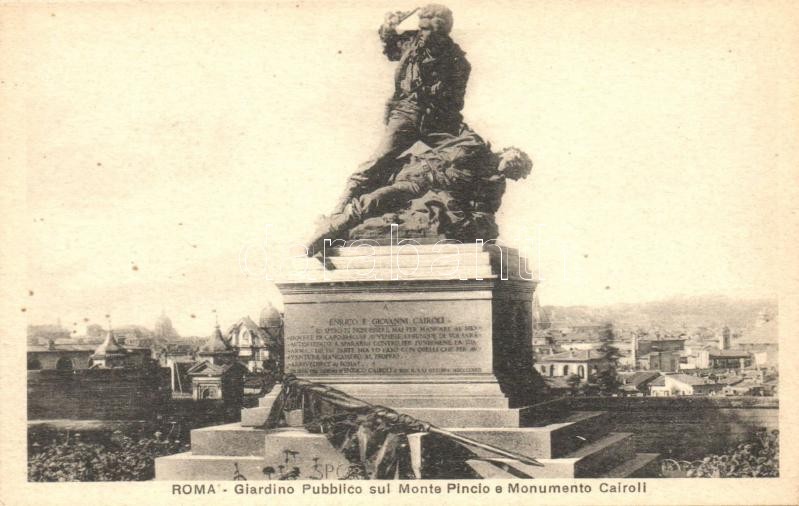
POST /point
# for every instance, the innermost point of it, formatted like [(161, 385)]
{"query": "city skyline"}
[(596, 314)]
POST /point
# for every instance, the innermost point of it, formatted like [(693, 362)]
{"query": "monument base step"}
[(548, 441), (254, 417), (576, 446), (467, 417), (591, 461), (485, 408), (597, 457), (508, 469), (233, 439), (190, 467), (438, 416), (462, 401), (287, 452), (477, 391), (644, 465)]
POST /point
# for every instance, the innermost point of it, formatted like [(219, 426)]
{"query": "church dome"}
[(270, 317), (163, 327)]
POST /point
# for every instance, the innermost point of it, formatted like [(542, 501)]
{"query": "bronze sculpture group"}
[(431, 174)]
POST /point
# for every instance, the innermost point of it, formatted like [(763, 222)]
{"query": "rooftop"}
[(216, 344), (257, 335), (573, 356), (729, 354), (688, 379), (208, 368), (662, 340), (62, 347), (640, 377), (110, 346), (178, 349)]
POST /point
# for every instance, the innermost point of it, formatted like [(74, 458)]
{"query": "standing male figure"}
[(429, 89)]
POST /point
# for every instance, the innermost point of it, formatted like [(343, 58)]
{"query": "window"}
[(581, 371), (34, 364), (565, 370), (552, 370), (210, 392), (64, 364)]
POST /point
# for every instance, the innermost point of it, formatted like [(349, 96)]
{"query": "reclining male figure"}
[(461, 165)]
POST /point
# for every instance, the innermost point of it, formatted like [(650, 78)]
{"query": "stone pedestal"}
[(439, 332), (427, 328), (578, 446)]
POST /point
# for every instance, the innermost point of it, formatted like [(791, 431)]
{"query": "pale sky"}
[(169, 138)]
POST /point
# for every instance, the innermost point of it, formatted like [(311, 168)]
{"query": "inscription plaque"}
[(414, 338)]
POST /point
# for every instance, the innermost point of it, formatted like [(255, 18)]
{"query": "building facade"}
[(725, 359), (111, 354), (683, 384), (218, 374), (60, 356), (583, 363)]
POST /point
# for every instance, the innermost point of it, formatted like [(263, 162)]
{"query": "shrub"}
[(121, 458), (757, 458)]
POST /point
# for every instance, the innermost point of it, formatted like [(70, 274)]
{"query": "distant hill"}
[(673, 313)]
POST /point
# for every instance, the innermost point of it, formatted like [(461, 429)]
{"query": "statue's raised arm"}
[(429, 88), (394, 43)]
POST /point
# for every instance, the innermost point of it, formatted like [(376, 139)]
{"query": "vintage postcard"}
[(351, 252)]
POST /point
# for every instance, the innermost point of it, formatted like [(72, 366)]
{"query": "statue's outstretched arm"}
[(394, 43)]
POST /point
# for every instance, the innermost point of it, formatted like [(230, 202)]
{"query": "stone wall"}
[(49, 359), (201, 413), (98, 394), (679, 427)]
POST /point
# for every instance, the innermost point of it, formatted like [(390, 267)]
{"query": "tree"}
[(606, 378), (574, 383)]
